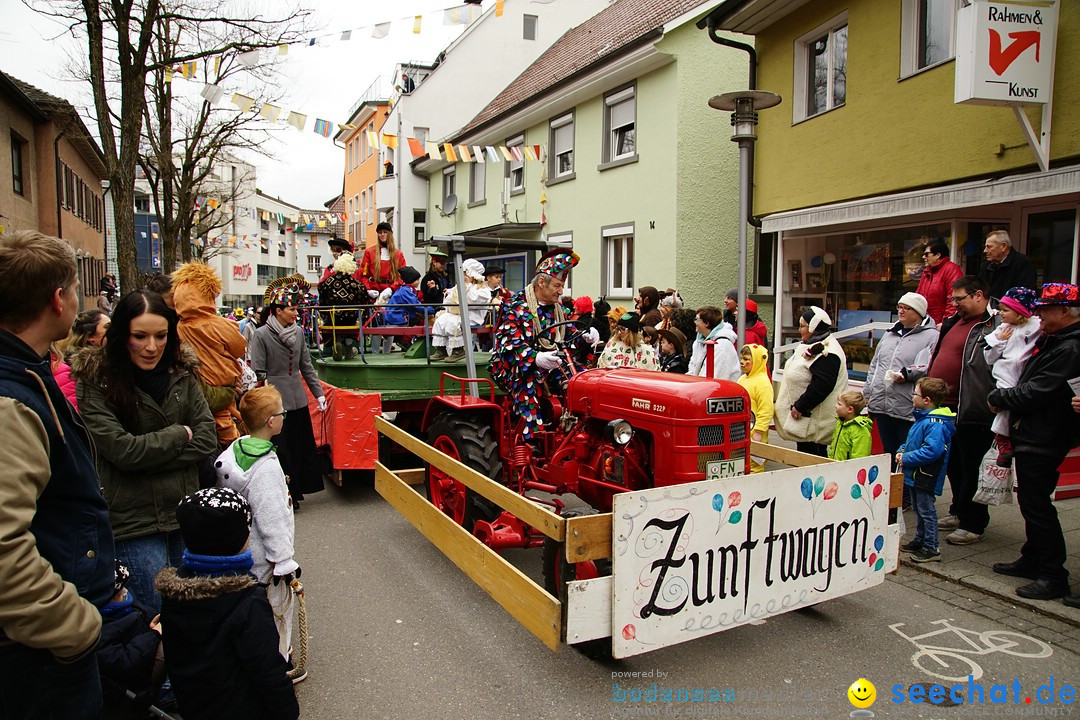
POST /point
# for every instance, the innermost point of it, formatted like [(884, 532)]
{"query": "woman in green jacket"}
[(141, 402)]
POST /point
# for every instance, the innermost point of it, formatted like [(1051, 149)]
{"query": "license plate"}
[(717, 469)]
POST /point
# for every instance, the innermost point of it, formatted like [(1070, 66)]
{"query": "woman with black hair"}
[(280, 357), (141, 402)]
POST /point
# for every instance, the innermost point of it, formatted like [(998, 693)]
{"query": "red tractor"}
[(605, 431)]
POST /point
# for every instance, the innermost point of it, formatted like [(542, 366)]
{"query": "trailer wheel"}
[(467, 439), (557, 572)]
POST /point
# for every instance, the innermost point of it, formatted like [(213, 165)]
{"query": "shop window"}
[(971, 254), (1051, 241), (821, 69)]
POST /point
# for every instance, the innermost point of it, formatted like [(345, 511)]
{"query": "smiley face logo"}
[(862, 693)]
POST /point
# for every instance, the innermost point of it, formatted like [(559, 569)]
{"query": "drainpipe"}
[(59, 186), (751, 85)]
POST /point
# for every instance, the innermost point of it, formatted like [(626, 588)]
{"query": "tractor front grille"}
[(738, 453), (738, 432), (710, 435), (703, 460)]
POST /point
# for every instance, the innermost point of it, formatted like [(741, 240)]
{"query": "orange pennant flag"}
[(451, 156), (416, 148), (500, 5)]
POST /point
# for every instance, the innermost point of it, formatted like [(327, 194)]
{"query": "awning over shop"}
[(1012, 188)]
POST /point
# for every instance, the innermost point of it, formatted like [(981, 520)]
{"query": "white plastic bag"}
[(995, 482)]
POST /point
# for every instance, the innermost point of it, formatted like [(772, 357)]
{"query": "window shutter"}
[(564, 139), (622, 114)]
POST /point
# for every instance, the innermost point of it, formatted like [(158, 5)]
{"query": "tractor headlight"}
[(620, 432), (753, 419)]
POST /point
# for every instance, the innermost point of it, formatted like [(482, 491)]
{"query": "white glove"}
[(322, 404), (548, 360), (373, 294), (592, 336)]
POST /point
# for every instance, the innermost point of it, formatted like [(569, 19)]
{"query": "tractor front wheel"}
[(467, 439)]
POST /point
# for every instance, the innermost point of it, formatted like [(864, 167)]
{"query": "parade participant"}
[(710, 326), (279, 357), (382, 261), (447, 338), (755, 379), (56, 552), (627, 347), (670, 301), (1005, 267), (756, 332), (251, 467), (435, 281), (1044, 429), (648, 306), (340, 287), (493, 275), (216, 341), (936, 281), (339, 246), (142, 403), (517, 366), (1007, 351), (673, 351), (221, 647), (814, 377)]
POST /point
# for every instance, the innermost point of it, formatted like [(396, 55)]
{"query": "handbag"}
[(995, 482)]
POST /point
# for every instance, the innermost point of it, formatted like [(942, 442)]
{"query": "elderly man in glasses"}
[(936, 281)]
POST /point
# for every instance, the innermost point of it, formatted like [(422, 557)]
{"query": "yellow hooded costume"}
[(760, 389)]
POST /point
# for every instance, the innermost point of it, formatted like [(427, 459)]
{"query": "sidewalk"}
[(969, 565)]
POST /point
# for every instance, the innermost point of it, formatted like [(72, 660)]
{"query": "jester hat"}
[(285, 291), (1059, 293), (557, 263)]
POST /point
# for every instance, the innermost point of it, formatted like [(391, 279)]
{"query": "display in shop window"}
[(795, 274), (815, 281), (863, 263)]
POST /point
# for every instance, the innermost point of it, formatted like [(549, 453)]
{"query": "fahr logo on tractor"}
[(605, 431)]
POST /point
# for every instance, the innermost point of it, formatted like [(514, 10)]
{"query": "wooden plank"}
[(531, 513), (896, 490), (588, 609), (527, 602), (786, 456), (412, 477), (588, 537)]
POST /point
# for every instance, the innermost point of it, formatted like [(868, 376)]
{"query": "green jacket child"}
[(852, 435)]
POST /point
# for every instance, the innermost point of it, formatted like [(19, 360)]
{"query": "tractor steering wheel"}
[(568, 338)]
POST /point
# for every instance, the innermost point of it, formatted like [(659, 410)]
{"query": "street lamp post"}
[(743, 106)]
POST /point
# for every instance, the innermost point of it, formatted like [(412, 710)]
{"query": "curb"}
[(1049, 608)]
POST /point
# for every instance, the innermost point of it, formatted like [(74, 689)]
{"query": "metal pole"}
[(745, 145), (457, 251)]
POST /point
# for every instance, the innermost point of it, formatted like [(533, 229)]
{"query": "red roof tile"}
[(601, 36)]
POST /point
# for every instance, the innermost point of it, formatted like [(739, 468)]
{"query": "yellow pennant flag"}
[(270, 112), (463, 151), (322, 223), (500, 5), (242, 101), (389, 141), (451, 156), (297, 120), (506, 153), (529, 153), (217, 65), (372, 138), (168, 75), (346, 126), (283, 49), (188, 69), (432, 149), (416, 25)]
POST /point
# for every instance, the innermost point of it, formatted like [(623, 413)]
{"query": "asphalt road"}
[(396, 631)]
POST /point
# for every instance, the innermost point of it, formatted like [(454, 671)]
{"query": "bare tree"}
[(119, 36)]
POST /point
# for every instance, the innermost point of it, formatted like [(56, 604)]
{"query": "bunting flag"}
[(372, 138), (529, 153), (324, 127), (451, 156), (346, 36), (500, 5), (297, 120), (463, 152), (456, 15), (249, 59), (270, 112), (536, 151), (415, 147), (283, 49), (432, 149), (380, 31), (168, 75), (213, 204), (516, 152), (493, 156), (212, 94), (506, 153), (478, 153), (389, 141), (242, 101), (416, 24), (188, 69), (217, 66), (322, 223)]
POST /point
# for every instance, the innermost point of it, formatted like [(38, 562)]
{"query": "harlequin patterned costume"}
[(513, 360)]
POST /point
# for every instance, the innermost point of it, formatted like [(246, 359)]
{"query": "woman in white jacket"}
[(710, 325)]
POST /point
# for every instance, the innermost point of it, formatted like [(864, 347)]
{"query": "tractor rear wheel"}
[(467, 439), (558, 571)]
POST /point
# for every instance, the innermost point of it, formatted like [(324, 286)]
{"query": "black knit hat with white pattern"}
[(214, 521)]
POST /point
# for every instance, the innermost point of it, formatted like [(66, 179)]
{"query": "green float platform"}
[(395, 376)]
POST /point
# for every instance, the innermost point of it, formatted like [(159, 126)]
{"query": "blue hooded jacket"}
[(926, 450)]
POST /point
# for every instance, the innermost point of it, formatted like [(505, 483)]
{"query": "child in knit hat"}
[(221, 646), (1007, 351), (129, 653)]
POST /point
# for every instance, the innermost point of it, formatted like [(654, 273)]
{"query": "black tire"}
[(557, 572), (473, 441)]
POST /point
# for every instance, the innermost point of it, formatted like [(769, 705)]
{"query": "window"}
[(314, 263), (69, 189), (421, 134), (821, 60), (371, 129), (419, 227), (927, 34), (618, 261), (620, 123), (370, 217), (561, 142), (267, 273), (142, 203), (355, 232), (18, 164), (528, 31), (449, 182), (280, 247), (477, 178), (1051, 237), (363, 151), (361, 215), (765, 262), (515, 169)]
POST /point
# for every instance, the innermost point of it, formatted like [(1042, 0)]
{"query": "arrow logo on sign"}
[(1002, 58)]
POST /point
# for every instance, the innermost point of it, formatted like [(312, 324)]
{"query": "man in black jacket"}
[(1005, 268), (1044, 429), (56, 545)]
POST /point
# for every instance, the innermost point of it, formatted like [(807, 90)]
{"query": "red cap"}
[(751, 306)]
